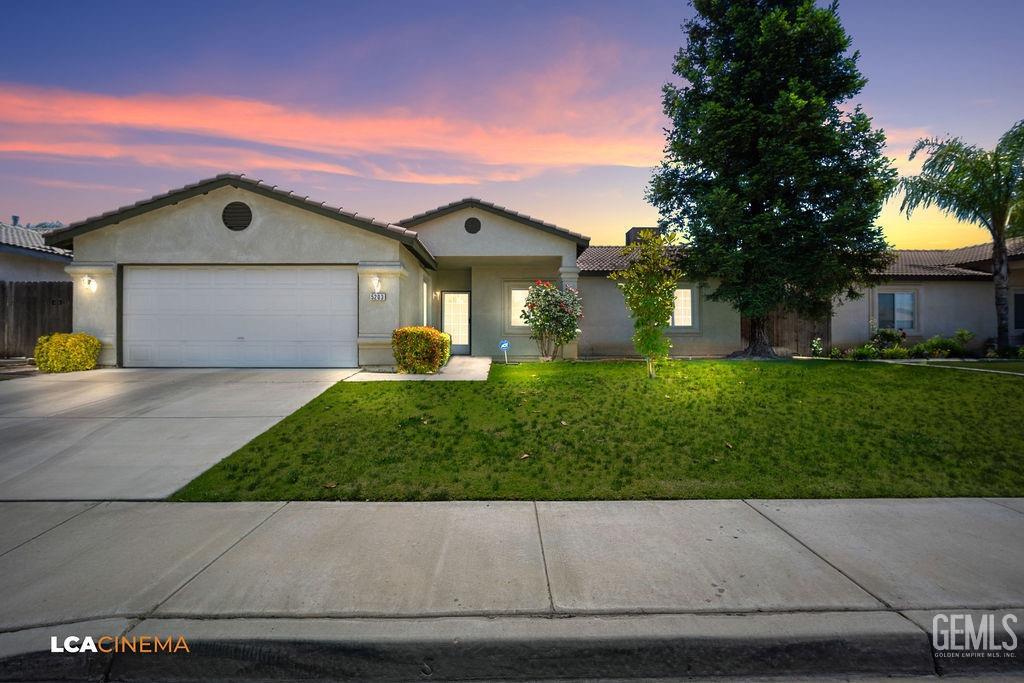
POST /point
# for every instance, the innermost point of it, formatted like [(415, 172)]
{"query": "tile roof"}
[(33, 240), (962, 263), (468, 202)]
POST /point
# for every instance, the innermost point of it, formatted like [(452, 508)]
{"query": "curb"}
[(814, 644)]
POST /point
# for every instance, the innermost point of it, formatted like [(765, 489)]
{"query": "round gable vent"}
[(473, 225), (237, 216)]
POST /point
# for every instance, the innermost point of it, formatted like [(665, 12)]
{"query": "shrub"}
[(963, 338), (836, 353), (895, 353), (553, 314), (817, 348), (866, 352), (62, 352), (944, 347), (420, 350), (885, 338), (1020, 353)]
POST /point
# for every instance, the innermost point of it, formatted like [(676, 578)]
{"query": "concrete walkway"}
[(458, 369), (137, 434), (506, 589)]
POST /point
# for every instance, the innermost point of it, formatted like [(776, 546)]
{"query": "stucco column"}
[(379, 298), (95, 305), (570, 278)]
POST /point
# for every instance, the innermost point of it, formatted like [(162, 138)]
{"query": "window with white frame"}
[(897, 310), (517, 305), (682, 308), (426, 303)]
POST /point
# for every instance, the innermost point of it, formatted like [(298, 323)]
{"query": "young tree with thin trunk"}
[(980, 186), (648, 285), (774, 181)]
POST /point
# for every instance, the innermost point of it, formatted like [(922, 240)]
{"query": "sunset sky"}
[(392, 108)]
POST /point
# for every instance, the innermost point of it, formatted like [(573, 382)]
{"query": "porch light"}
[(89, 283), (375, 283)]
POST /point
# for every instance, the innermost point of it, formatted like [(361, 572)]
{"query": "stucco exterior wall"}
[(192, 232), (608, 329), (23, 268), (498, 237), (490, 312), (943, 307)]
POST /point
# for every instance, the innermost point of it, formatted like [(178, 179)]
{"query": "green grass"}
[(1005, 365), (702, 429)]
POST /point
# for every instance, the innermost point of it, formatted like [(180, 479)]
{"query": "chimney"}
[(14, 220), (634, 233)]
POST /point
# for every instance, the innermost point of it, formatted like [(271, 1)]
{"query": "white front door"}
[(455, 320), (239, 316)]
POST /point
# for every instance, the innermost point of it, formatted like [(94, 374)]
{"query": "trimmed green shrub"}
[(866, 352), (420, 350), (963, 337), (836, 353), (885, 338), (895, 353), (63, 352), (1020, 353)]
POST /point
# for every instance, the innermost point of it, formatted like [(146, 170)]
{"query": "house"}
[(231, 271), (936, 291), (25, 256)]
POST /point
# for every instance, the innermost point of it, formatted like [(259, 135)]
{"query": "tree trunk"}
[(759, 345), (650, 368), (1001, 277)]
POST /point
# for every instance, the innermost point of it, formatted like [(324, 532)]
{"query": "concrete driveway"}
[(139, 434)]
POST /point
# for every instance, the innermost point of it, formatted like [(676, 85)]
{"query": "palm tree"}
[(980, 186)]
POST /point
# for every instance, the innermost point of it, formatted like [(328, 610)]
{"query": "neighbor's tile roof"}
[(469, 202), (920, 264), (15, 236)]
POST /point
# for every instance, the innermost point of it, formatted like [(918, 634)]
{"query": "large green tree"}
[(980, 186), (773, 180)]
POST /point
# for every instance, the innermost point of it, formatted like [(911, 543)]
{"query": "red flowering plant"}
[(553, 314)]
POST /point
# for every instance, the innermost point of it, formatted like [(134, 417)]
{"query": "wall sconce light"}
[(375, 284), (89, 282)]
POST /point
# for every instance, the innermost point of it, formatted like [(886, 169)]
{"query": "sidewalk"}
[(505, 589)]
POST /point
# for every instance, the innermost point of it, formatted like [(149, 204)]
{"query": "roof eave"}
[(34, 253), (582, 241)]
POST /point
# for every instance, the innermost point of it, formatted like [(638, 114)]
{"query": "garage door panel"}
[(240, 316)]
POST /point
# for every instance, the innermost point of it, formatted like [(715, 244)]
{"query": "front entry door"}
[(455, 320)]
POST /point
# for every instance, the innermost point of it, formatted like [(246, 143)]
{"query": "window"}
[(1018, 310), (682, 311), (517, 304), (426, 304), (897, 310)]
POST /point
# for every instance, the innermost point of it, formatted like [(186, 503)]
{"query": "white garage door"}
[(239, 316)]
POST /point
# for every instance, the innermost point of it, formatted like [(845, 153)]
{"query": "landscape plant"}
[(553, 313), (63, 352), (980, 186), (772, 176), (420, 350), (648, 285)]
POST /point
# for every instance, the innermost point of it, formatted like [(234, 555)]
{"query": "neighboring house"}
[(25, 256), (233, 272), (936, 291)]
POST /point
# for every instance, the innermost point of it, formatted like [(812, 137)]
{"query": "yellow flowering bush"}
[(62, 352)]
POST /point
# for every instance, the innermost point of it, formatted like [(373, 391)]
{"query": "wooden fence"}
[(29, 310), (791, 334)]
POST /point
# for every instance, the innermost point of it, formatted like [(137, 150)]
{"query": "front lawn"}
[(703, 429)]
